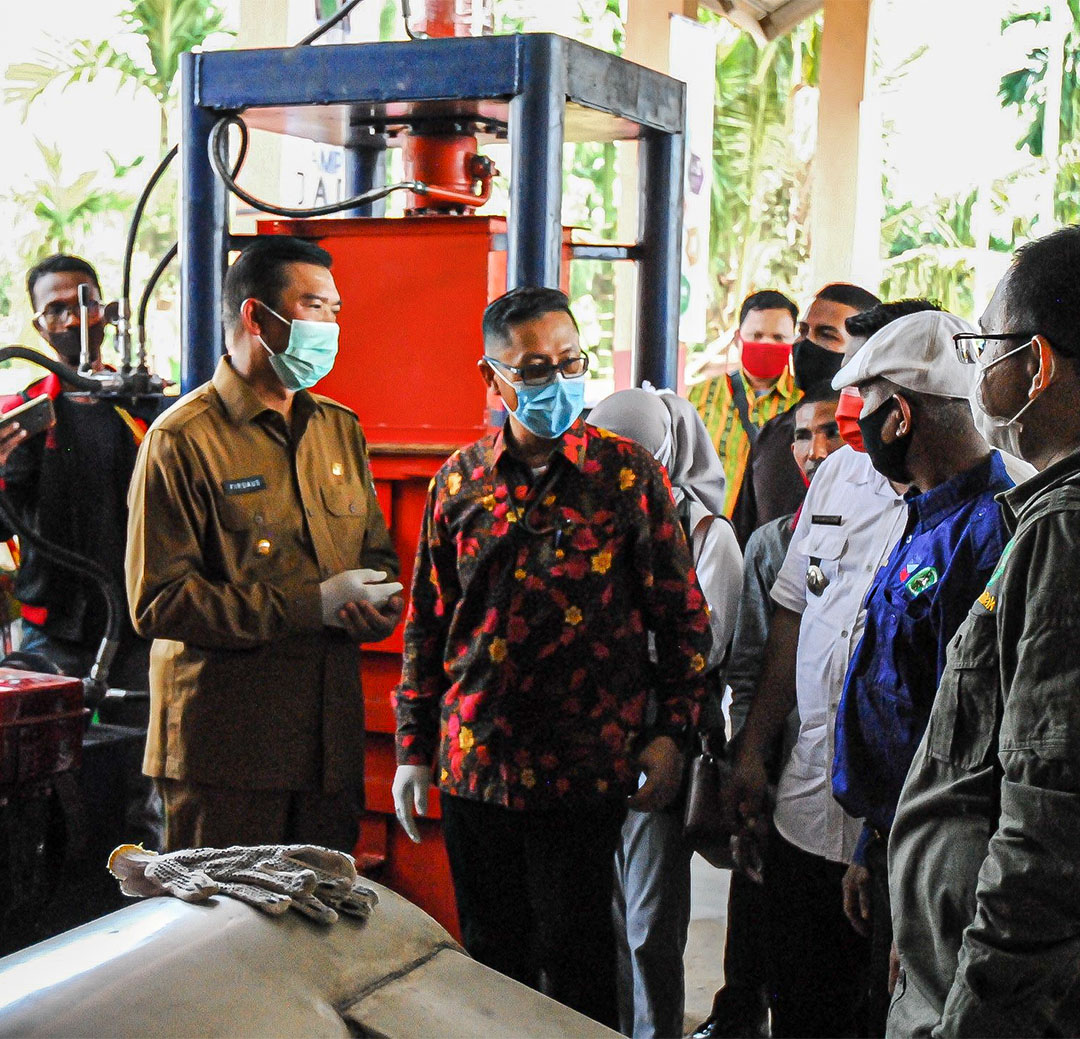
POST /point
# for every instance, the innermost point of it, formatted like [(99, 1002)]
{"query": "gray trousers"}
[(652, 915)]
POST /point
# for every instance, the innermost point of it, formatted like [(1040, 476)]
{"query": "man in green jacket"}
[(984, 855)]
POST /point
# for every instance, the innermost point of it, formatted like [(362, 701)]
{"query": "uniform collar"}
[(936, 505), (1014, 502), (571, 445), (242, 403)]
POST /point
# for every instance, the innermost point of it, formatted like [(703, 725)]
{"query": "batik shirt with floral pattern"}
[(526, 665)]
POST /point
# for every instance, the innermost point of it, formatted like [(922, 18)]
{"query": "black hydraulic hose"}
[(136, 219), (85, 567), (218, 150), (328, 24), (144, 301), (58, 368)]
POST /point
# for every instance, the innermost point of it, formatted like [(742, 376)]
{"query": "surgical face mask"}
[(814, 364), (549, 411), (765, 360), (848, 410), (309, 355), (888, 459), (1002, 433)]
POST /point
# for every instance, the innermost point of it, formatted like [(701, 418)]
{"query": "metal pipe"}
[(204, 235), (537, 132), (660, 165)]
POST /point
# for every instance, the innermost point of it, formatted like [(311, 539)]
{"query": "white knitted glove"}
[(272, 877)]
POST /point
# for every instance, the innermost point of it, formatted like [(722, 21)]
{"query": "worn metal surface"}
[(164, 968)]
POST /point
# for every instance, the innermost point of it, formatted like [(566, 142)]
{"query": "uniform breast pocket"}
[(965, 714), (346, 516), (256, 533), (824, 550)]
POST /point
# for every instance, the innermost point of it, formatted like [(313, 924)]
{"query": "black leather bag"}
[(703, 825)]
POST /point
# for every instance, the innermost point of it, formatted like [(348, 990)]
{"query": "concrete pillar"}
[(846, 204)]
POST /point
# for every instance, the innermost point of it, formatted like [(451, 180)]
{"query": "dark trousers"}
[(201, 816), (878, 998), (745, 948), (817, 960), (534, 894)]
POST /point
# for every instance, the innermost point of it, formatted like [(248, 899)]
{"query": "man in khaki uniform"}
[(984, 853), (256, 552)]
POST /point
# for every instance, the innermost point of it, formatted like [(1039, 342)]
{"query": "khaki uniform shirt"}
[(984, 853), (234, 522)]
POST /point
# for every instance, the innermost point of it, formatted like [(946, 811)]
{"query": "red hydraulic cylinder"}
[(453, 18)]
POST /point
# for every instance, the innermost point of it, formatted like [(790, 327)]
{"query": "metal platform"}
[(539, 91)]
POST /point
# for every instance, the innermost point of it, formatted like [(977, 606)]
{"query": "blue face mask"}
[(309, 355), (549, 411)]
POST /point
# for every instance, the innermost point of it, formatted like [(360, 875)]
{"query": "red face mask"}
[(847, 417), (765, 360)]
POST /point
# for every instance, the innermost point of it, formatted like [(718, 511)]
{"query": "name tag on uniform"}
[(826, 520), (245, 485)]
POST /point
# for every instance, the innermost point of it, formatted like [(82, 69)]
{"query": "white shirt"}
[(850, 521), (718, 563)]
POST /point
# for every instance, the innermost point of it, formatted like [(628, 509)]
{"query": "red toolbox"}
[(42, 719)]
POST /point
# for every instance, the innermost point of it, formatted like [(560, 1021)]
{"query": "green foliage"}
[(761, 167), (165, 29), (1025, 89), (67, 211)]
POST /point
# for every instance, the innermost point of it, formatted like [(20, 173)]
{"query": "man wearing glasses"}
[(548, 554), (984, 853), (70, 484)]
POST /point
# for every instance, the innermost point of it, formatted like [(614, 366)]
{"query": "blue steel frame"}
[(327, 92)]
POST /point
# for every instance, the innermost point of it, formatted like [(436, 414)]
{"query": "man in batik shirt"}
[(548, 554)]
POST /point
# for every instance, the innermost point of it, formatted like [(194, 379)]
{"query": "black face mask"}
[(67, 345), (814, 364), (888, 459)]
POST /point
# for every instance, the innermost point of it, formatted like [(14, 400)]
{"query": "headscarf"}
[(671, 430)]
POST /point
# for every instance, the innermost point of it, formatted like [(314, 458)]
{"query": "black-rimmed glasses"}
[(540, 373), (971, 347), (55, 316)]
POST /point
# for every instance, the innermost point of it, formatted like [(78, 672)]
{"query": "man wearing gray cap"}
[(917, 428), (984, 855)]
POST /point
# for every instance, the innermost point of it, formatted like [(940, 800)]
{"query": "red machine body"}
[(414, 291), (42, 719)]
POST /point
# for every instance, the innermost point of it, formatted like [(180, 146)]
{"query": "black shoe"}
[(735, 1015)]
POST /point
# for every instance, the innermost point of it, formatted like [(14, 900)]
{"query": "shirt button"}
[(258, 517), (843, 634), (353, 508), (263, 546)]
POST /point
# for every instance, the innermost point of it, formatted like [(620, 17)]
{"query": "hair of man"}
[(59, 263), (260, 272), (768, 299), (819, 394), (848, 295), (868, 322), (518, 306), (1042, 293)]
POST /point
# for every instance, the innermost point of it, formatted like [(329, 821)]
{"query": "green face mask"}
[(309, 355)]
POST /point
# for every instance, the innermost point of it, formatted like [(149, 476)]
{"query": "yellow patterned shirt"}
[(716, 406)]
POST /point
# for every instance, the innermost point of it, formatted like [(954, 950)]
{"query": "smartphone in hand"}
[(35, 416)]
